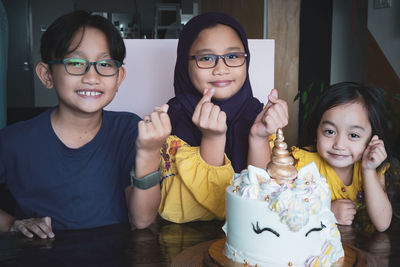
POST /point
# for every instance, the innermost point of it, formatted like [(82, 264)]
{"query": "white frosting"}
[(299, 213)]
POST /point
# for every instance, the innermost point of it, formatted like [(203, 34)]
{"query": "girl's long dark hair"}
[(347, 92)]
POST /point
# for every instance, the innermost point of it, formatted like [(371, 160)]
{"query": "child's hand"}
[(153, 130), (344, 211), (38, 226), (374, 154), (208, 117), (275, 115)]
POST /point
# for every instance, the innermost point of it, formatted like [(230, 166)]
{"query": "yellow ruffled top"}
[(338, 189), (191, 189)]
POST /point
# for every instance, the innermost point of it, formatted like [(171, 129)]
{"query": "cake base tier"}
[(352, 256)]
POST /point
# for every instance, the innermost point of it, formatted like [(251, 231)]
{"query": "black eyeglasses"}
[(208, 61), (80, 66)]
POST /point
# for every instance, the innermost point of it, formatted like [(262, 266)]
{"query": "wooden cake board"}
[(210, 253), (352, 256)]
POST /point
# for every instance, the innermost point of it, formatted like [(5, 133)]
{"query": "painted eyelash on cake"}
[(257, 230), (316, 229)]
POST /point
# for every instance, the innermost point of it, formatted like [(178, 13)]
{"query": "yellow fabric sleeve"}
[(271, 140), (191, 189)]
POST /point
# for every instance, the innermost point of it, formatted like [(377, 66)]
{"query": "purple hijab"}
[(241, 109)]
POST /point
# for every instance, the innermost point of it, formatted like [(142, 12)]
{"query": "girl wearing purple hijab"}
[(218, 127)]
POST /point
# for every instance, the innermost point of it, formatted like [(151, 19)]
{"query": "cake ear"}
[(257, 176), (225, 227), (309, 172)]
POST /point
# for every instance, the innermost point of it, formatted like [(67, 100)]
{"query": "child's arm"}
[(6, 221), (212, 123), (153, 130), (273, 116), (377, 202)]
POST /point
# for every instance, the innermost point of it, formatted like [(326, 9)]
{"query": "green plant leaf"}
[(309, 87), (296, 96), (304, 97)]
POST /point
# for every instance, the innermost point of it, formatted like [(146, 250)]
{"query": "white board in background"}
[(150, 67)]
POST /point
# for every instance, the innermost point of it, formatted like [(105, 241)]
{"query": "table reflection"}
[(162, 244), (114, 245), (102, 246)]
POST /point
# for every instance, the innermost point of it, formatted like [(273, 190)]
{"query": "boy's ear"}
[(121, 76), (44, 74)]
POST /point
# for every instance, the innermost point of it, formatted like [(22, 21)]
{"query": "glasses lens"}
[(234, 59), (76, 65), (205, 61), (107, 67)]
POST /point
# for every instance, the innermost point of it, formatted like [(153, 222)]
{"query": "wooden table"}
[(164, 244)]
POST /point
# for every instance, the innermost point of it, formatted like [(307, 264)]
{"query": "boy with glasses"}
[(70, 167)]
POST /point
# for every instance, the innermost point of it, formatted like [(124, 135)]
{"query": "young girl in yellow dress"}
[(218, 127), (346, 137)]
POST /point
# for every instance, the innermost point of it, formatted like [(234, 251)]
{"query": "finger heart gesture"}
[(154, 129), (209, 118), (374, 154), (275, 115)]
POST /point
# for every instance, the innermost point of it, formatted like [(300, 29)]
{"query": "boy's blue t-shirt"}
[(78, 188)]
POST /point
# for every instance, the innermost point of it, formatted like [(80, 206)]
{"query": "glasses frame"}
[(90, 63), (217, 57)]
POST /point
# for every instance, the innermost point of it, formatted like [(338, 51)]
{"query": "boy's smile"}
[(226, 81), (89, 93)]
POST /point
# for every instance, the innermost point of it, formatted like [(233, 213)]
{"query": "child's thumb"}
[(272, 97), (207, 95), (375, 137), (163, 108)]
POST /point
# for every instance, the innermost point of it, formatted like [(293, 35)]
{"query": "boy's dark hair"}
[(56, 40), (348, 92)]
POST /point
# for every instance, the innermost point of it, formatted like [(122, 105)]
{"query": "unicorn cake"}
[(281, 217)]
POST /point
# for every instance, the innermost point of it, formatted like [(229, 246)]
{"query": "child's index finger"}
[(207, 95)]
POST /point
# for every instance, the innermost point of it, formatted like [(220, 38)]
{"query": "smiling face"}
[(90, 92), (226, 81), (343, 134)]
